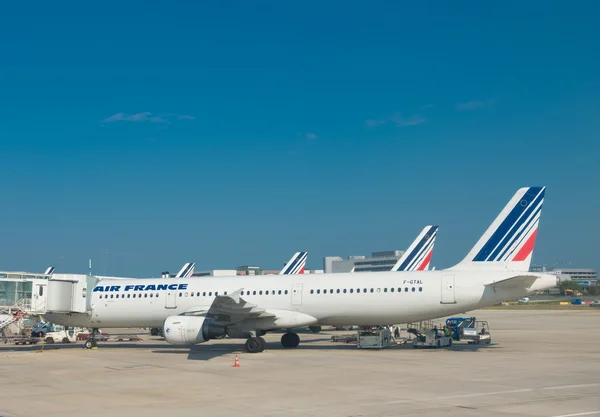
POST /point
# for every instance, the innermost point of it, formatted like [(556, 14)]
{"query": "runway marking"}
[(573, 386), (481, 394)]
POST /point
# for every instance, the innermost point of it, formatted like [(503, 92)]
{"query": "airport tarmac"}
[(540, 363)]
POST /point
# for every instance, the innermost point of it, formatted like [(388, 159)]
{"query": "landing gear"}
[(91, 341), (290, 340), (314, 329), (255, 345)]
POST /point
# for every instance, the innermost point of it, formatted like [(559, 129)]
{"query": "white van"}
[(61, 334)]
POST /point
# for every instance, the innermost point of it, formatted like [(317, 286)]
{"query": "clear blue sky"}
[(240, 132)]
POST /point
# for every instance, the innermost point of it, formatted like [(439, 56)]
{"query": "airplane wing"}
[(514, 283), (295, 265), (230, 309)]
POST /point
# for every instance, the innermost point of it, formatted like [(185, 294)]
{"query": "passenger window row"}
[(216, 293), (146, 295), (197, 294), (266, 292), (365, 290)]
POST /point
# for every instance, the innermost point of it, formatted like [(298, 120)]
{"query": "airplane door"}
[(171, 299), (297, 294), (448, 289), (39, 298)]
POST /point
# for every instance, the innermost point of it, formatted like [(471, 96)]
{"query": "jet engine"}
[(190, 330)]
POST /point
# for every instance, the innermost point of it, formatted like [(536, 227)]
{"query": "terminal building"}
[(582, 276), (379, 261)]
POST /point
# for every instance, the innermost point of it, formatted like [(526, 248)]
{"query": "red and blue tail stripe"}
[(517, 231), (418, 255), (295, 265)]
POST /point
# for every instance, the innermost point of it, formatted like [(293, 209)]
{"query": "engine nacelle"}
[(189, 330)]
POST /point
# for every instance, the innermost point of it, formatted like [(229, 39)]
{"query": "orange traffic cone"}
[(237, 362)]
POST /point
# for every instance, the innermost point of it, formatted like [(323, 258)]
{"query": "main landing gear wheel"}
[(255, 345), (88, 344), (314, 329), (290, 340)]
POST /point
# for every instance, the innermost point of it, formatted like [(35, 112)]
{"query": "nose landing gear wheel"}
[(91, 341), (255, 345)]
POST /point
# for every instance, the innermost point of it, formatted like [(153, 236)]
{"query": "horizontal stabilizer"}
[(521, 282)]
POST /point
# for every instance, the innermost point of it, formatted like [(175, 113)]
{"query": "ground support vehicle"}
[(374, 338), (478, 333), (430, 339)]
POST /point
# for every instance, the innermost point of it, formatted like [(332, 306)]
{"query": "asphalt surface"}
[(540, 363)]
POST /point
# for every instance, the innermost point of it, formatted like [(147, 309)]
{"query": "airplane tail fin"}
[(50, 270), (508, 243), (295, 265), (418, 255), (186, 271)]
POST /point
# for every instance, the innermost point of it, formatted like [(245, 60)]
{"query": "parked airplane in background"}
[(193, 311), (50, 270), (295, 265), (418, 255), (186, 271)]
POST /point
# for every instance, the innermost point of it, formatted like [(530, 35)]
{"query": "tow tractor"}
[(432, 338), (478, 333)]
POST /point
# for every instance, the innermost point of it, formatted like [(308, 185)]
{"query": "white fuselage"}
[(300, 300)]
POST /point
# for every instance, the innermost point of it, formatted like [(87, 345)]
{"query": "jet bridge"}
[(68, 293)]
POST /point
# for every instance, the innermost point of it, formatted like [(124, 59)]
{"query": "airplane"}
[(186, 271), (418, 255), (195, 311), (295, 265), (50, 270)]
